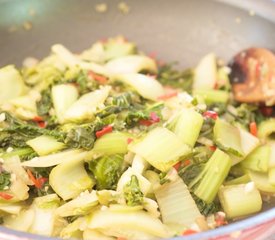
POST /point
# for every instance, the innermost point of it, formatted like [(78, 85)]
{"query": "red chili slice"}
[(99, 78), (189, 232), (211, 114), (154, 117), (5, 196), (41, 181), (37, 119), (213, 148), (177, 166), (186, 163), (168, 95), (145, 122), (253, 128), (129, 140), (38, 182), (40, 122), (103, 131)]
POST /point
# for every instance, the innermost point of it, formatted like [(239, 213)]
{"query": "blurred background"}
[(178, 30)]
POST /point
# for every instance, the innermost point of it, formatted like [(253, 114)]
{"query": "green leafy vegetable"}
[(77, 136), (81, 137), (134, 117), (140, 113), (228, 138), (119, 103), (132, 193), (245, 114), (25, 154), (124, 100), (168, 75), (45, 104), (206, 208), (81, 79), (107, 170), (16, 136), (18, 132), (189, 173), (5, 180), (206, 185)]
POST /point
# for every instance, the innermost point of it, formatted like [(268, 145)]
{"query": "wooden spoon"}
[(253, 76)]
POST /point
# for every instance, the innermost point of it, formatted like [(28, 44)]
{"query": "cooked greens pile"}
[(109, 144)]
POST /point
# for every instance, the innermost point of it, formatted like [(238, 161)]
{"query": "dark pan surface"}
[(179, 30)]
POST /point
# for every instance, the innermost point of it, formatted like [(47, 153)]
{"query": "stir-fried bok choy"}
[(111, 144)]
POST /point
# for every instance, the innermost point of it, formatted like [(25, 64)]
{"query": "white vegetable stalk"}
[(151, 207), (111, 143), (44, 145), (186, 120), (139, 165), (13, 165), (161, 148), (83, 204), (58, 158), (261, 181), (63, 96), (144, 184), (86, 106), (143, 84), (176, 204), (248, 143), (65, 55), (11, 208), (69, 179), (44, 214), (27, 102), (75, 229), (205, 73), (19, 189), (22, 222), (240, 200), (71, 60), (130, 221), (131, 64)]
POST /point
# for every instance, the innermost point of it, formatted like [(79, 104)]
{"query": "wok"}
[(178, 30)]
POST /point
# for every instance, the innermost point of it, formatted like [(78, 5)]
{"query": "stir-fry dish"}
[(113, 144)]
